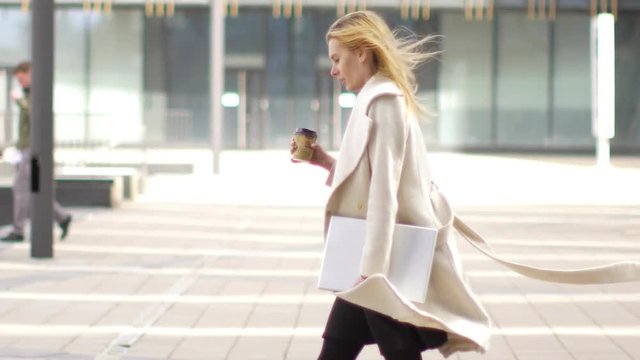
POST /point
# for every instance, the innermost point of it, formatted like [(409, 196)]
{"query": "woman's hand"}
[(319, 158), (292, 148), (360, 280), (16, 95)]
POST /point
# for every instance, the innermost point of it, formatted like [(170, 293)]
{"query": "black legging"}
[(333, 349), (351, 327)]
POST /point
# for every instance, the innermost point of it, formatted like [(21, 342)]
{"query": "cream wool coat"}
[(382, 175)]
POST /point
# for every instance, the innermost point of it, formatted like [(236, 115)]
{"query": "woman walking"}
[(382, 176)]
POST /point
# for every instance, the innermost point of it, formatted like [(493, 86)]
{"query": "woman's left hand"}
[(360, 279)]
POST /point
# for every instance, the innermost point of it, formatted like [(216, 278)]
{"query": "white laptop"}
[(410, 263)]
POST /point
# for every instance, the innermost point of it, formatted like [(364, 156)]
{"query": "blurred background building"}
[(513, 75)]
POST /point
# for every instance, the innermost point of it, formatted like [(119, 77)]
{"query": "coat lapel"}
[(352, 148), (356, 135)]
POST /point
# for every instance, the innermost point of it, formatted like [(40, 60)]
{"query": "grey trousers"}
[(22, 195)]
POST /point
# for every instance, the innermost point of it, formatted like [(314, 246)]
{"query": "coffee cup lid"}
[(306, 132)]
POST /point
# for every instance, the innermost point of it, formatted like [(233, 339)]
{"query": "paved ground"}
[(224, 267)]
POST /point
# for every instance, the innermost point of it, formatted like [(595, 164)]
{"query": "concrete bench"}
[(6, 202), (78, 190), (132, 182), (151, 168), (6, 169), (84, 190)]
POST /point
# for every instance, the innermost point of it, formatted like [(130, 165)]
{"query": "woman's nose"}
[(334, 71)]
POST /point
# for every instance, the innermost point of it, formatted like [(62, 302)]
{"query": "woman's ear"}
[(363, 54)]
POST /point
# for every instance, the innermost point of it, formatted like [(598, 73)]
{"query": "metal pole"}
[(4, 106), (87, 81), (42, 129), (216, 78), (242, 109)]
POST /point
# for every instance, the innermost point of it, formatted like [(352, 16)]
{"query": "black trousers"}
[(350, 327)]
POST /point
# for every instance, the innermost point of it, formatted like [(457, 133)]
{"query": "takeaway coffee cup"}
[(304, 138)]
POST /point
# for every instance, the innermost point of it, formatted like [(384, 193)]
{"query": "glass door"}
[(246, 121), (256, 129), (330, 117)]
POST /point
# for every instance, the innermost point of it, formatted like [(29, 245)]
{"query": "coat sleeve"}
[(386, 149)]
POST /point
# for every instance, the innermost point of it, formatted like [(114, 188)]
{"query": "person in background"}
[(382, 175), (22, 181)]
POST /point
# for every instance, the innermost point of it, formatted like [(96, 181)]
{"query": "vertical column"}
[(603, 84), (42, 129), (216, 78), (87, 78), (4, 106), (242, 109)]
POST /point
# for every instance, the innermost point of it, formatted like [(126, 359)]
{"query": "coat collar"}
[(356, 135)]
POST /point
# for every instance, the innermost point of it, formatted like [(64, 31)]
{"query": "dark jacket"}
[(24, 126)]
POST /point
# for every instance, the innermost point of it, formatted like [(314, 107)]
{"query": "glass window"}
[(249, 26), (427, 77), (303, 74), (15, 46), (278, 66), (15, 42), (627, 134), (72, 119), (427, 74), (176, 77), (115, 77), (572, 81), (511, 83), (290, 76), (465, 94), (523, 81)]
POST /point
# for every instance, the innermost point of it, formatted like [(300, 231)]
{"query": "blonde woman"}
[(382, 175)]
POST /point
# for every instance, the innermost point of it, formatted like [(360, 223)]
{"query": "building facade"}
[(511, 75)]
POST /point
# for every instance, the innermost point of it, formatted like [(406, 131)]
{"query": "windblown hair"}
[(23, 67), (395, 55)]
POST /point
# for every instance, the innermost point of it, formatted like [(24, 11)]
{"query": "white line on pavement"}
[(528, 255), (287, 299), (140, 325), (610, 244), (217, 272), (303, 239), (199, 252), (571, 219), (164, 271), (213, 235), (44, 330)]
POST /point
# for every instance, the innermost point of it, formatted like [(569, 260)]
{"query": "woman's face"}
[(351, 67)]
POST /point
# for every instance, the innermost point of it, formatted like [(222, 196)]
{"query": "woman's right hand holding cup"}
[(319, 158)]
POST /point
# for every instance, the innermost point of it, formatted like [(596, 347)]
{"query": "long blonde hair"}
[(395, 56)]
